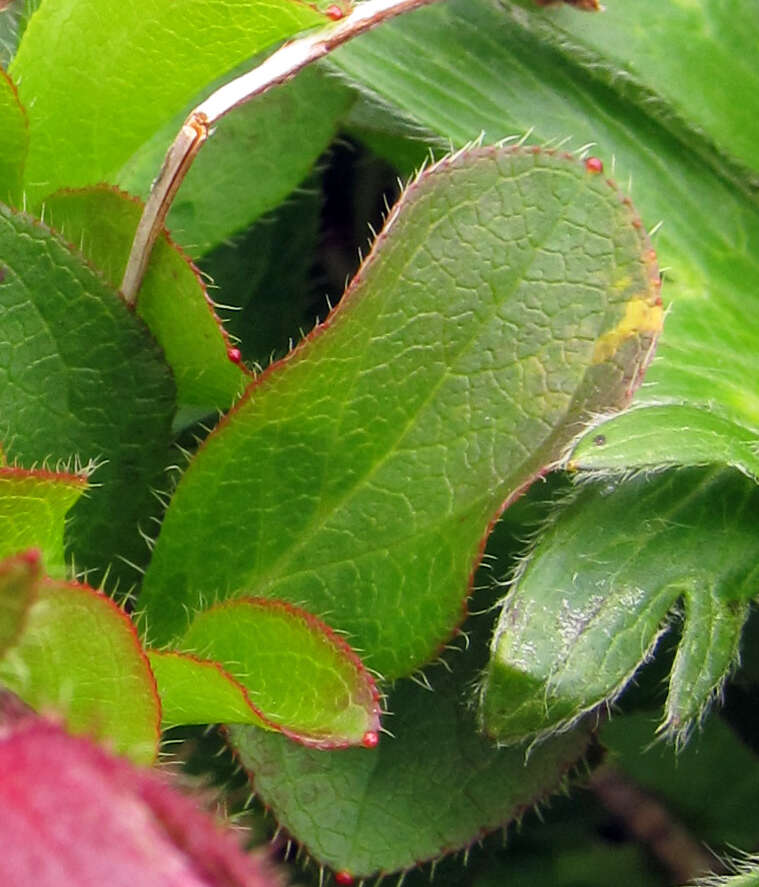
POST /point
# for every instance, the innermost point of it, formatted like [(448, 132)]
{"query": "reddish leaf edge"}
[(105, 187), (592, 167), (67, 478), (574, 772), (126, 623), (370, 738)]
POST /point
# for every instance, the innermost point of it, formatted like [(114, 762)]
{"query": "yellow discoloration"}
[(641, 316)]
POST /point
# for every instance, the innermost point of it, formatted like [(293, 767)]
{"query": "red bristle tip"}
[(370, 739), (234, 354), (593, 164), (334, 12), (345, 878)]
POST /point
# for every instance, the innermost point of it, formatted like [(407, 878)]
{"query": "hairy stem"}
[(278, 68)]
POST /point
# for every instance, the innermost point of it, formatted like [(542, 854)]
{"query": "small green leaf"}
[(595, 595), (81, 378), (14, 142), (80, 657), (511, 294), (102, 221), (101, 76), (33, 507), (301, 677), (254, 160), (661, 436), (431, 788), (18, 589), (196, 691)]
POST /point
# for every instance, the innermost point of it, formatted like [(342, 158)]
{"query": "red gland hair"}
[(234, 355), (594, 165), (334, 12), (370, 739), (343, 877)]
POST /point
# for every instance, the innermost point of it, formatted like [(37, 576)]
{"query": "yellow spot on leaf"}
[(641, 316)]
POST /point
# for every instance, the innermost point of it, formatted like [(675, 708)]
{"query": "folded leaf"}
[(18, 588), (81, 378), (661, 436), (33, 508), (79, 656), (300, 677), (172, 299), (596, 593), (102, 76), (511, 294), (198, 691), (14, 141), (273, 666)]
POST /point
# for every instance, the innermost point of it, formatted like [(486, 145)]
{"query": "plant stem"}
[(281, 66)]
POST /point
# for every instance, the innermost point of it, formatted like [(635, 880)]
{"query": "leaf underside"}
[(598, 590), (511, 293)]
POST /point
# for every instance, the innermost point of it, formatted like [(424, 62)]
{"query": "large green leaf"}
[(33, 507), (81, 379), (467, 67), (172, 299), (102, 76), (595, 595), (510, 294), (298, 676), (79, 656), (14, 141), (708, 85), (254, 160), (431, 788)]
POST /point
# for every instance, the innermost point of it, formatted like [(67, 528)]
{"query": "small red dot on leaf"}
[(32, 557), (370, 739), (345, 878), (234, 354), (334, 12), (593, 164)]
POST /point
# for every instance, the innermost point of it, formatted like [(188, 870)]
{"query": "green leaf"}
[(18, 589), (196, 691), (102, 221), (14, 141), (301, 677), (429, 789), (256, 157), (81, 379), (79, 656), (742, 872), (467, 67), (511, 293), (596, 592), (33, 507), (101, 76), (708, 85), (672, 434)]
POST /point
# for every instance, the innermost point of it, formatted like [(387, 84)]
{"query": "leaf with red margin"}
[(33, 508), (296, 674), (14, 141), (435, 786), (80, 657), (511, 295), (172, 300), (18, 587), (198, 691), (74, 815)]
